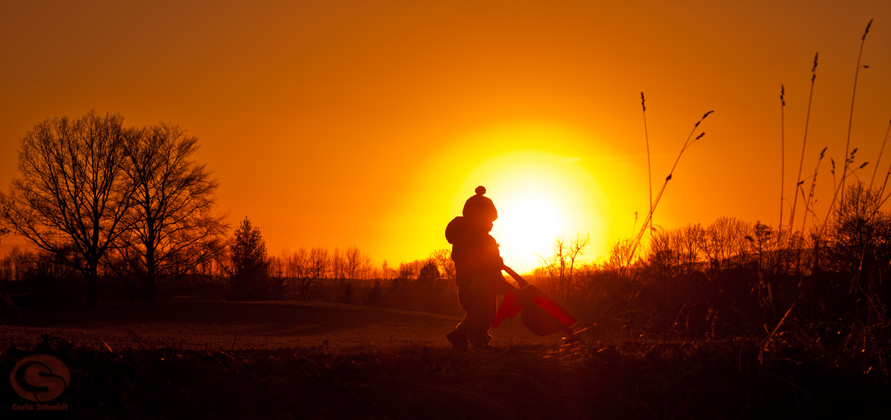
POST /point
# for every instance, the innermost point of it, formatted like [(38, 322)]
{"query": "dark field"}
[(269, 360), (233, 326)]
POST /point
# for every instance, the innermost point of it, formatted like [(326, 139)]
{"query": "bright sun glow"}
[(539, 197)]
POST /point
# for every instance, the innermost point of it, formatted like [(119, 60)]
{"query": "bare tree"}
[(366, 270), (319, 263), (300, 270), (560, 266), (555, 265), (576, 250), (763, 245), (173, 228), (352, 262), (620, 256), (74, 195), (444, 261), (689, 242), (386, 272), (15, 265), (337, 265), (664, 258), (7, 270)]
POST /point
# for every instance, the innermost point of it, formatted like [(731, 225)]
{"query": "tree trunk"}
[(92, 280), (148, 291)]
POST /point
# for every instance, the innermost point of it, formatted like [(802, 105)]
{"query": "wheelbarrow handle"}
[(521, 281)]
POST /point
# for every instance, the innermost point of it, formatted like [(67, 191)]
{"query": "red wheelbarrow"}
[(541, 314)]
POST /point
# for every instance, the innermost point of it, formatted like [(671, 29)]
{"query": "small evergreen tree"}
[(249, 267), (346, 293), (375, 296)]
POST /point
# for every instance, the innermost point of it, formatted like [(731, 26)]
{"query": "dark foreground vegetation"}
[(630, 380)]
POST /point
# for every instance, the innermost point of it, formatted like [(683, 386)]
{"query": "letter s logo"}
[(39, 378)]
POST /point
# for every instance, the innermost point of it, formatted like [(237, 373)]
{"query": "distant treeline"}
[(725, 279), (37, 278)]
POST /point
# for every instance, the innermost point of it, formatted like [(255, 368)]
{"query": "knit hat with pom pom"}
[(480, 207)]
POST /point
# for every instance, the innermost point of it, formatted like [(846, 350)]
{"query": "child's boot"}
[(458, 340)]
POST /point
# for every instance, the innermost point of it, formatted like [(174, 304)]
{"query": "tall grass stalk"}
[(851, 117), (782, 158), (810, 197), (649, 218), (807, 209), (882, 197), (649, 167), (807, 120), (884, 141), (840, 186), (882, 190)]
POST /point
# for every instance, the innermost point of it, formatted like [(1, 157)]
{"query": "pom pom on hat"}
[(480, 207)]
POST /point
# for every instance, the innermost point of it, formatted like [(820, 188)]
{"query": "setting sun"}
[(539, 197)]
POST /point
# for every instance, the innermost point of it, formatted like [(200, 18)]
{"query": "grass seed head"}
[(814, 69)]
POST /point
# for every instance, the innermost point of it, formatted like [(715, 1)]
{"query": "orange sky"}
[(340, 123)]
